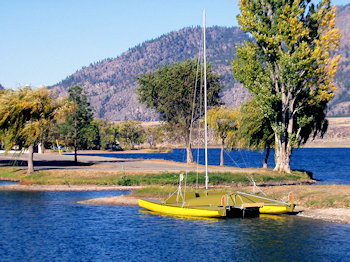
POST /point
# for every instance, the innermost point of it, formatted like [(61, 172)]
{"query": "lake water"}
[(51, 226), (329, 165)]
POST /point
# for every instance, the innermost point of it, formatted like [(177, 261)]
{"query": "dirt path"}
[(49, 161)]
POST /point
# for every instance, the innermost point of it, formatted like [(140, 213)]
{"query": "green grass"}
[(11, 172), (154, 191), (87, 177), (214, 178)]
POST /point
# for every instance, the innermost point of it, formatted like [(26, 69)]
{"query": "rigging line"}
[(255, 161), (205, 103), (199, 122), (192, 118), (199, 65), (193, 108), (245, 158), (234, 162)]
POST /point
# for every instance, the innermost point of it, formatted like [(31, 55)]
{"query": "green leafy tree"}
[(108, 134), (91, 138), (112, 137), (154, 135), (170, 90), (78, 120), (255, 131), (131, 133), (25, 117), (288, 67), (223, 121)]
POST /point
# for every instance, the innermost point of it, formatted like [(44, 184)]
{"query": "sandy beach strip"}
[(336, 215), (122, 200)]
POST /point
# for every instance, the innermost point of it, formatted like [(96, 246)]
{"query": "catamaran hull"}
[(215, 205), (282, 209), (180, 211)]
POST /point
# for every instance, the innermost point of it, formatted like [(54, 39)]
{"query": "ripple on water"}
[(50, 226)]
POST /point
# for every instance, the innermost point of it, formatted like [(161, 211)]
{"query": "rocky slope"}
[(110, 84), (341, 102)]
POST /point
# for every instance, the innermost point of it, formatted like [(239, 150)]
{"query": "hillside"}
[(341, 102), (1, 87), (110, 84)]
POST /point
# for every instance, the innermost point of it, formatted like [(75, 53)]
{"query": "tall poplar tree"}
[(289, 67)]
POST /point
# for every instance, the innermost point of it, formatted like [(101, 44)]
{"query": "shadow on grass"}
[(309, 173), (45, 165)]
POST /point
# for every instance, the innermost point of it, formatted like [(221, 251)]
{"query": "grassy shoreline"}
[(120, 178), (306, 196), (325, 202)]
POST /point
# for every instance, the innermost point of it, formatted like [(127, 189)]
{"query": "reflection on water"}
[(50, 226), (178, 216)]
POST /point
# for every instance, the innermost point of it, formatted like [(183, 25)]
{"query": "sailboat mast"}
[(205, 105)]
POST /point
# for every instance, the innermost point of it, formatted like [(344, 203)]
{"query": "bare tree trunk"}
[(42, 147), (277, 152), (283, 154), (266, 158), (30, 159), (222, 160), (75, 151), (75, 140), (189, 153)]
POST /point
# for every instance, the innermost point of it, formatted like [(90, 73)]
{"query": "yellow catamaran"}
[(214, 204), (217, 204)]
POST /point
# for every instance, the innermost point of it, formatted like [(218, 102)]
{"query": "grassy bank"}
[(306, 196), (93, 177)]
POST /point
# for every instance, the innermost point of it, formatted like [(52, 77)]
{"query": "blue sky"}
[(44, 41)]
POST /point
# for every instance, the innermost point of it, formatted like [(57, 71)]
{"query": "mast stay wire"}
[(193, 113)]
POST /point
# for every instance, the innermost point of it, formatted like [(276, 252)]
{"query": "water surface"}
[(51, 226)]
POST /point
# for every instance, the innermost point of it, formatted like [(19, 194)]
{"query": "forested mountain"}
[(1, 87), (110, 84)]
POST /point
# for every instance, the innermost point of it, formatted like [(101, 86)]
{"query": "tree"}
[(255, 130), (171, 91), (223, 121), (25, 116), (91, 138), (131, 133), (288, 67), (78, 120), (154, 135)]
